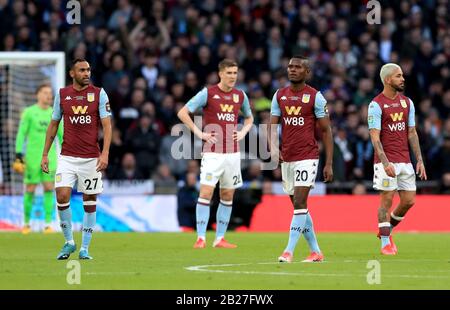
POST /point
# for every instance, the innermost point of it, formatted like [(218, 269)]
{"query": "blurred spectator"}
[(364, 94), (193, 167), (112, 77), (144, 141), (253, 173), (116, 152), (123, 12), (177, 166), (359, 189), (344, 146), (442, 164), (128, 169), (163, 174), (187, 202), (363, 150)]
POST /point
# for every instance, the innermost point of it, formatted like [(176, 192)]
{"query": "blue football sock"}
[(310, 235), (384, 230), (223, 218), (297, 225), (202, 214), (89, 220), (65, 217), (385, 241)]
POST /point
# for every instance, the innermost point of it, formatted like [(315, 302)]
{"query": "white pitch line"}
[(100, 273), (202, 268)]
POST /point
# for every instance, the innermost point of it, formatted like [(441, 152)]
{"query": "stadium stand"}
[(152, 56)]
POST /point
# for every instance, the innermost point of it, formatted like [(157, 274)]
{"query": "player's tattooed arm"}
[(49, 137), (376, 142), (381, 154), (375, 137), (413, 139)]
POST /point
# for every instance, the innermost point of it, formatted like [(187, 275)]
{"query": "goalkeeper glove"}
[(19, 165)]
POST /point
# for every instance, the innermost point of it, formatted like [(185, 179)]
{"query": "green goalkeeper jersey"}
[(32, 129)]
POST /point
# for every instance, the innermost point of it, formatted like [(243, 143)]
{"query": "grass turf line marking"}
[(201, 268)]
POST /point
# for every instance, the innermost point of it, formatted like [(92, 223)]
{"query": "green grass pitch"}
[(168, 261)]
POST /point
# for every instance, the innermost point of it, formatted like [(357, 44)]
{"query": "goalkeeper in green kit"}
[(32, 129)]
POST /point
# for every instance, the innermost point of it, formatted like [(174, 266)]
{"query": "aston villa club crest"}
[(90, 97), (305, 98), (403, 103), (235, 98), (208, 176)]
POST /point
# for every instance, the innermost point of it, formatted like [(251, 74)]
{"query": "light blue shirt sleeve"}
[(56, 115), (275, 108), (245, 108), (374, 116), (198, 101), (320, 106), (412, 114), (103, 107)]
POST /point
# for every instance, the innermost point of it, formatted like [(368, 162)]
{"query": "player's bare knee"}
[(63, 200), (30, 188), (300, 204), (89, 203), (48, 187), (206, 193), (226, 195), (408, 203)]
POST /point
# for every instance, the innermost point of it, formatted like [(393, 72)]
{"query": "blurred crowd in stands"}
[(151, 57)]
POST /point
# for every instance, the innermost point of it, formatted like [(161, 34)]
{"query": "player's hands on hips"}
[(238, 135), (209, 137), (328, 173), (390, 170), (420, 170), (102, 162), (44, 163)]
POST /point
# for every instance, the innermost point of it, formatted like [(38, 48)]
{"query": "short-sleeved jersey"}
[(392, 117), (82, 111), (220, 115), (32, 130), (298, 111)]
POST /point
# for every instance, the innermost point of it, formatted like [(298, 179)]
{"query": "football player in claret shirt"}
[(393, 133), (299, 107), (221, 160), (83, 107)]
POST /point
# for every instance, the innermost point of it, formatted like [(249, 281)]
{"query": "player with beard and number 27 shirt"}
[(83, 107)]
